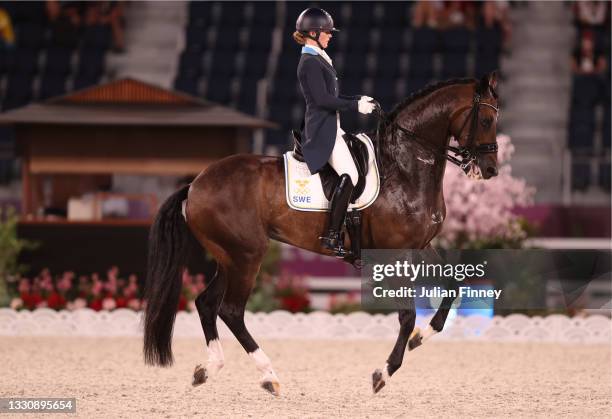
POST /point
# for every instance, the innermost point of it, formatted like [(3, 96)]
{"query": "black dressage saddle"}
[(329, 177)]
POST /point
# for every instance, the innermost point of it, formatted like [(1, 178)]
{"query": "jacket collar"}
[(315, 50)]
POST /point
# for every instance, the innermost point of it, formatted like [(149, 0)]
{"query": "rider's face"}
[(323, 38)]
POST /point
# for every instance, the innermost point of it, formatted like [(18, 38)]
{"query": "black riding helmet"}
[(316, 20)]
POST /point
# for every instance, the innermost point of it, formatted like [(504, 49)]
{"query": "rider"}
[(322, 136)]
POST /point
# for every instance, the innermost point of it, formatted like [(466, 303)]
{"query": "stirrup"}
[(334, 241)]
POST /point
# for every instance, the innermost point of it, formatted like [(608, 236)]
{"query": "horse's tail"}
[(170, 241)]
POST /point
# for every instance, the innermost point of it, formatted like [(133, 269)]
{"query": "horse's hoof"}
[(199, 376), (272, 387), (416, 339), (378, 381)]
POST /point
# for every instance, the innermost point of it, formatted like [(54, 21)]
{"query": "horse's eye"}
[(486, 122)]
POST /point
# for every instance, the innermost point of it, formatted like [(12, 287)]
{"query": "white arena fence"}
[(595, 329)]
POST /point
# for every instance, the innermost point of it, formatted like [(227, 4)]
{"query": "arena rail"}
[(317, 325)]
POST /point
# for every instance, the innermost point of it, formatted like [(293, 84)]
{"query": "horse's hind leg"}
[(207, 303), (232, 313)]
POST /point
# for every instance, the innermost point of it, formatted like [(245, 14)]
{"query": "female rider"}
[(322, 137)]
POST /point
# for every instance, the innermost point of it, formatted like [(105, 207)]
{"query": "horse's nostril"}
[(492, 171)]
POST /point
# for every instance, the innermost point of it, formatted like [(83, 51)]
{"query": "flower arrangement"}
[(479, 212), (69, 292), (292, 293), (345, 303), (274, 290)]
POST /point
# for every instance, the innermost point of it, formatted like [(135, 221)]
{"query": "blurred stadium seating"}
[(241, 54)]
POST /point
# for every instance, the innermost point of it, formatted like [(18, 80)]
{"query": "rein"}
[(464, 156)]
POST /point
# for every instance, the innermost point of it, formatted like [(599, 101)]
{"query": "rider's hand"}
[(365, 105)]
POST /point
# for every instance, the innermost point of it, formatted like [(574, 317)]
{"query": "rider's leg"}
[(342, 162)]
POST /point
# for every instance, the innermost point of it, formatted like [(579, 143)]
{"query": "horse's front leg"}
[(407, 318), (436, 324)]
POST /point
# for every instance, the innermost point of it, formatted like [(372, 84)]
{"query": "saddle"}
[(329, 177), (329, 180)]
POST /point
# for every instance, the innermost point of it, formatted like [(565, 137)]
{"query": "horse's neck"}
[(420, 163)]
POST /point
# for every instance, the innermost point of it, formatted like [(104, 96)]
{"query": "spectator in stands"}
[(497, 13), (7, 36), (66, 19), (458, 14), (586, 59), (108, 13), (426, 13), (592, 14)]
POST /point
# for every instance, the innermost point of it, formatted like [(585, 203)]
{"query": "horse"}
[(236, 205)]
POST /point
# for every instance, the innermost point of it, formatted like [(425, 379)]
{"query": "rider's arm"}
[(312, 75)]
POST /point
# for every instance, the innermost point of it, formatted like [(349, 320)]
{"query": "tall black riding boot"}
[(339, 205)]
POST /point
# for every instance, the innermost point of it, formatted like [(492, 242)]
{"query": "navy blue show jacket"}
[(319, 84)]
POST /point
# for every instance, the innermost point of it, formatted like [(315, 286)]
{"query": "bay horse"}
[(236, 205)]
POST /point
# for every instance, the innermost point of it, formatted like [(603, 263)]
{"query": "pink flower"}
[(64, 284), (97, 288), (134, 304), (192, 306), (186, 277), (47, 284), (111, 287), (112, 273), (79, 303), (16, 303), (482, 209), (108, 304), (24, 286)]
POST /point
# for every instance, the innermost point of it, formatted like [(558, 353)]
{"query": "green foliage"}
[(11, 247), (263, 297)]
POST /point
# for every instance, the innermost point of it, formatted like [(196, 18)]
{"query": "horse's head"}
[(474, 126)]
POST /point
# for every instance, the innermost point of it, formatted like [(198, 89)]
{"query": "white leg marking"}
[(263, 364), (428, 332), (385, 373), (215, 357)]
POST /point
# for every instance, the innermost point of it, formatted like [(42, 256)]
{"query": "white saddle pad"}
[(305, 192)]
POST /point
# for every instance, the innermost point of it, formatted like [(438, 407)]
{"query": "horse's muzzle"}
[(490, 172)]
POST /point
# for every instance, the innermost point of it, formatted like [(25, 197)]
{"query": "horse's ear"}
[(493, 80)]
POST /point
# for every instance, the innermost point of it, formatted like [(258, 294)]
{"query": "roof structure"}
[(131, 102)]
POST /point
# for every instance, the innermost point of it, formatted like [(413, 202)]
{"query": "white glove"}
[(365, 105)]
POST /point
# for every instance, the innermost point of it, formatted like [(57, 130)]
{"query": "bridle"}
[(469, 152), (464, 156)]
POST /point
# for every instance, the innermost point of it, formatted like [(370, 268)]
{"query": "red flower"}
[(121, 302), (182, 303), (33, 300), (295, 303), (26, 298), (96, 304), (55, 301)]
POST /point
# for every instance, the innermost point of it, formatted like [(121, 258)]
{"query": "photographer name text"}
[(435, 292)]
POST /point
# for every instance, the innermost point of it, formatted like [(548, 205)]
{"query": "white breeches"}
[(341, 159)]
